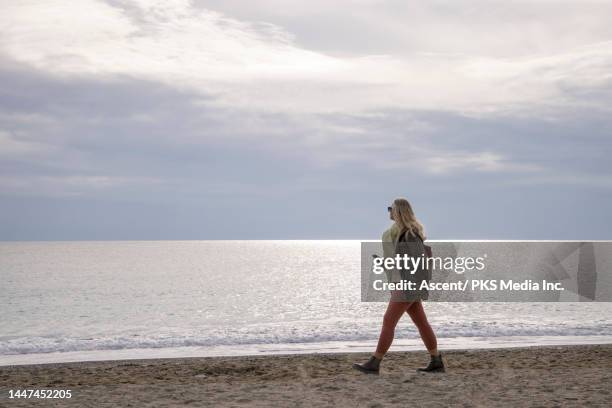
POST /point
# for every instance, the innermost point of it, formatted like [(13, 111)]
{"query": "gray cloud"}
[(124, 154)]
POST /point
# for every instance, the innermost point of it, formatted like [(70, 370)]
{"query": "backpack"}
[(402, 238)]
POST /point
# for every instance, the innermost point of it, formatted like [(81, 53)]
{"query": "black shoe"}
[(372, 366), (436, 365)]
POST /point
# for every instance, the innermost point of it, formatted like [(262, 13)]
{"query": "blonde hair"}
[(405, 219)]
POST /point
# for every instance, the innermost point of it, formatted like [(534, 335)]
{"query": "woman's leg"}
[(395, 311), (417, 314)]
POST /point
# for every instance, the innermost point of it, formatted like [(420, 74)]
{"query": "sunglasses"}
[(389, 209)]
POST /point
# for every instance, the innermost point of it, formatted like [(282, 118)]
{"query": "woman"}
[(405, 229)]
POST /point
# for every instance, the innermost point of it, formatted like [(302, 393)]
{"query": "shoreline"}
[(538, 375), (330, 347)]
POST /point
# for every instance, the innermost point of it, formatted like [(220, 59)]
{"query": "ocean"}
[(93, 300)]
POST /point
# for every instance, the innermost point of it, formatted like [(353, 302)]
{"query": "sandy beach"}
[(537, 376)]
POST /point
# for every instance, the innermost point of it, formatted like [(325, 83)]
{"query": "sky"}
[(283, 119)]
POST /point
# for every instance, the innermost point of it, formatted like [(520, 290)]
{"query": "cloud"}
[(447, 162), (260, 65), (486, 28), (78, 128), (168, 41), (182, 111), (71, 185)]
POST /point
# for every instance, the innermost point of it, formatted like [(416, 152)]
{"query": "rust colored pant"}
[(395, 311)]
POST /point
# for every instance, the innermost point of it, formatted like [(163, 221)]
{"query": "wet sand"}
[(561, 376)]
